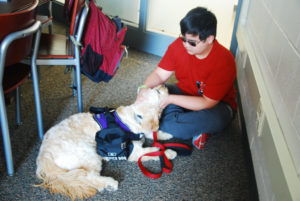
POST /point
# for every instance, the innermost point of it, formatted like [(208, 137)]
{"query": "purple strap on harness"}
[(121, 124), (101, 120)]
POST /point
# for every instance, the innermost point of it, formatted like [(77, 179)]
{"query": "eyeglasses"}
[(190, 42)]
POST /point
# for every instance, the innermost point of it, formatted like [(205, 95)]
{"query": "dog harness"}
[(101, 119), (114, 142), (114, 138)]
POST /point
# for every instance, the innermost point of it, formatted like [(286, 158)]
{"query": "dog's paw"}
[(163, 135), (108, 184), (113, 186), (171, 154)]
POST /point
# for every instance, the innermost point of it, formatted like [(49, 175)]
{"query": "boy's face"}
[(200, 48)]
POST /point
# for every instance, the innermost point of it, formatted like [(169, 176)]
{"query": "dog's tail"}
[(76, 183)]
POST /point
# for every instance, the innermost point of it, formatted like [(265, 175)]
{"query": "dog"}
[(67, 161)]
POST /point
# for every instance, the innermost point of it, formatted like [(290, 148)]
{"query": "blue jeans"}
[(185, 124)]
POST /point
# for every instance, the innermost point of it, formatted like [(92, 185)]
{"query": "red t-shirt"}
[(212, 76)]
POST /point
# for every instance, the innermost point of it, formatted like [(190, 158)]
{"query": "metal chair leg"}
[(18, 105), (78, 80), (78, 87), (50, 28), (5, 135), (35, 80)]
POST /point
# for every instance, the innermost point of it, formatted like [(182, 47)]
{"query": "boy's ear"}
[(210, 39)]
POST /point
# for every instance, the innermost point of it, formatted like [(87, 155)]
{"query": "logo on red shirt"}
[(200, 86)]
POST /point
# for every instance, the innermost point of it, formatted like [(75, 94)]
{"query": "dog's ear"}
[(124, 112), (162, 90), (150, 122), (120, 109)]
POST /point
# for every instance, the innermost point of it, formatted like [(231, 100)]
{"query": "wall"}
[(156, 27), (268, 64), (159, 22), (128, 10)]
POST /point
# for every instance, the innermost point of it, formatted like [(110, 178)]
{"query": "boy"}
[(202, 102)]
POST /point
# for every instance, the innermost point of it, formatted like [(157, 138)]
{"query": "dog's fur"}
[(68, 163)]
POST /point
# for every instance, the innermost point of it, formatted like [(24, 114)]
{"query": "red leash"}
[(165, 162)]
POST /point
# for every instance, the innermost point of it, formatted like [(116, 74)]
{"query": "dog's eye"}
[(138, 118)]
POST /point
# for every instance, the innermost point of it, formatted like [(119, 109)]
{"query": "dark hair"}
[(199, 21)]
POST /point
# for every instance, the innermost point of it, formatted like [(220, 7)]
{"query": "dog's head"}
[(144, 116)]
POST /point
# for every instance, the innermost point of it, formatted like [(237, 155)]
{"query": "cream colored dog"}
[(68, 162)]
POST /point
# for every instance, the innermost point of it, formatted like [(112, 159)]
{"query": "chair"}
[(46, 20), (16, 43), (57, 49)]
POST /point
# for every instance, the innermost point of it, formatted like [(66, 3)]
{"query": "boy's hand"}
[(141, 95)]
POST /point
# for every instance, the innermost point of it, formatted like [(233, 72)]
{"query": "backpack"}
[(102, 45), (113, 141)]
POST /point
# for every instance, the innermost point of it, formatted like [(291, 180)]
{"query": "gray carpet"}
[(219, 172)]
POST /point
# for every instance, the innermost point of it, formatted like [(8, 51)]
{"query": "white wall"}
[(275, 27), (269, 82), (128, 10), (164, 16)]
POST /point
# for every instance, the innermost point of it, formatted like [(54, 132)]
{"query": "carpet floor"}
[(219, 172)]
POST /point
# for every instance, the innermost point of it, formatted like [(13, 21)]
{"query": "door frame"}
[(147, 41)]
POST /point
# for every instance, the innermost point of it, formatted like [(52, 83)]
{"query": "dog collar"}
[(133, 136), (101, 120), (119, 121)]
